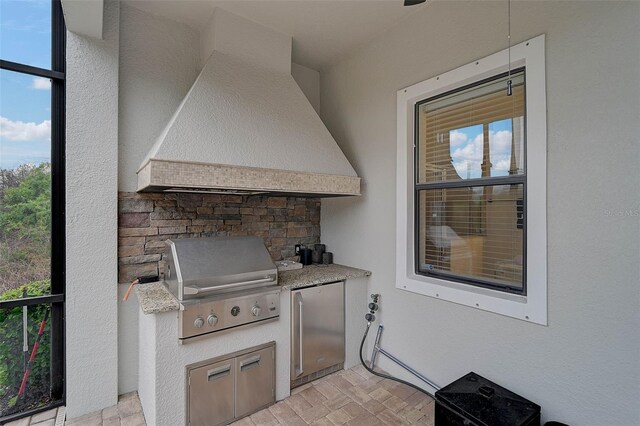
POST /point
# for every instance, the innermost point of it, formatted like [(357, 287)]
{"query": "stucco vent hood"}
[(245, 126)]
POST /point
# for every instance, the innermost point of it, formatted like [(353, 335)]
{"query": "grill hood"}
[(245, 126), (200, 267)]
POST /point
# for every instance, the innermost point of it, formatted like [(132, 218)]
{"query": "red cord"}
[(126, 295)]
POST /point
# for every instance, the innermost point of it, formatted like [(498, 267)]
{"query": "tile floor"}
[(52, 417), (128, 412), (350, 397)]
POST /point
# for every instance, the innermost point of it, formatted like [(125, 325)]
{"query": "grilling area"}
[(231, 277), (319, 212), (218, 318)]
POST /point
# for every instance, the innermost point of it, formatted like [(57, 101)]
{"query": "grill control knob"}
[(255, 311), (199, 322), (235, 311), (212, 320)]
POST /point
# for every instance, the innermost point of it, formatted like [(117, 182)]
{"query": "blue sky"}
[(25, 101), (467, 144)]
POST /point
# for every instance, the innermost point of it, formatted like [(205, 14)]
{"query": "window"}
[(32, 254), (472, 185)]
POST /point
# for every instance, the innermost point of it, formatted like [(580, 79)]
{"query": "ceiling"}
[(323, 31)]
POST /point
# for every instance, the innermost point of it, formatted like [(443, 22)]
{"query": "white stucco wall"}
[(245, 108), (159, 61), (246, 40), (167, 379), (91, 219), (146, 362), (584, 368), (241, 114), (127, 341), (355, 302), (309, 81)]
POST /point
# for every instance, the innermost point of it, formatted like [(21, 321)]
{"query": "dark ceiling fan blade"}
[(413, 2)]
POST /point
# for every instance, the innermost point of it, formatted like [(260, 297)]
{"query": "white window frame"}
[(532, 307)]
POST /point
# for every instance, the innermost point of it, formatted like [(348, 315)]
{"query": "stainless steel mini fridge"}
[(317, 331)]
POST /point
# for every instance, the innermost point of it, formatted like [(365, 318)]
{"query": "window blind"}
[(459, 133), (471, 224)]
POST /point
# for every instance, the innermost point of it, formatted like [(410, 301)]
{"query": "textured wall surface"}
[(242, 114), (162, 381), (128, 342), (145, 363), (91, 191), (584, 368), (246, 40), (309, 81), (146, 220), (159, 61), (245, 108)]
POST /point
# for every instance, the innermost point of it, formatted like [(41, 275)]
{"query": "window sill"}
[(511, 305)]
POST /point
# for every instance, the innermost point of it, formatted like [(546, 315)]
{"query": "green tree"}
[(25, 230), (27, 207), (10, 178)]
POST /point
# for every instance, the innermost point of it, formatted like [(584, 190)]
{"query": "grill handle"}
[(197, 290)]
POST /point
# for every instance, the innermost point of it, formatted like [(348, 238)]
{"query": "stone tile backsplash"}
[(146, 220)]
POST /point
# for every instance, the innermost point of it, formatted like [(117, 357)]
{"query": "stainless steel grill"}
[(221, 283)]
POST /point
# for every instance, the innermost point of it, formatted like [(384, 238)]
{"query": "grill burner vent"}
[(214, 191)]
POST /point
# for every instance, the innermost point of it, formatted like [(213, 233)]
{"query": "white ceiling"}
[(323, 30)]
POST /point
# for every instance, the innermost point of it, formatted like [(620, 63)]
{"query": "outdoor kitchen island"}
[(162, 382)]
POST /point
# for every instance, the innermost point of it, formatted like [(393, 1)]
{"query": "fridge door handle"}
[(300, 370)]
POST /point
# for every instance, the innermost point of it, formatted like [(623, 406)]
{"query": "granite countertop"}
[(318, 274), (155, 297)]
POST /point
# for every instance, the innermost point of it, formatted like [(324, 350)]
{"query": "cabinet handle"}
[(300, 350), (250, 363), (218, 373)]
